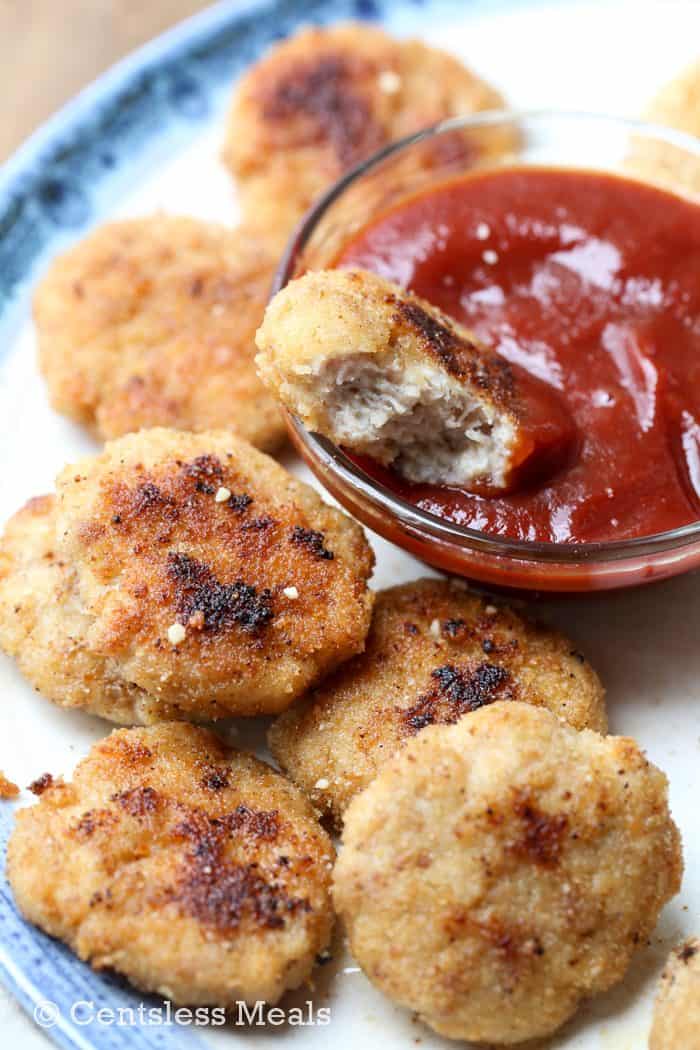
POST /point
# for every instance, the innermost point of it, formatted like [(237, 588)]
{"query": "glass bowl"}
[(460, 145)]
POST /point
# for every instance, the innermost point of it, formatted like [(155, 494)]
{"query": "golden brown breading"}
[(326, 99), (167, 528), (499, 870), (676, 1024), (677, 105), (195, 871), (44, 627), (8, 789), (186, 576), (383, 372), (151, 321), (434, 653)]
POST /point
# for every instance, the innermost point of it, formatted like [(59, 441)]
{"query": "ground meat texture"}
[(387, 375)]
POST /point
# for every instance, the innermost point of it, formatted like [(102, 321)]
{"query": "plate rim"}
[(104, 85)]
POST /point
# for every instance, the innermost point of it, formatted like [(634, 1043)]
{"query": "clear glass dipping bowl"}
[(461, 145)]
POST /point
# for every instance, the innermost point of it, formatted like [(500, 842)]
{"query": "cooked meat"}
[(386, 374), (434, 654), (677, 105)]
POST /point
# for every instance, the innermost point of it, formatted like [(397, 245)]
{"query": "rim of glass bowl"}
[(382, 499)]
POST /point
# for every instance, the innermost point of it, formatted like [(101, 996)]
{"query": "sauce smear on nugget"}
[(589, 282)]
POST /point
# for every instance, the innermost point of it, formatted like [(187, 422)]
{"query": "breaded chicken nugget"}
[(214, 578), (195, 871), (184, 576), (499, 870), (151, 322), (677, 105), (43, 624), (326, 99), (8, 789), (383, 372), (676, 1024), (434, 653)]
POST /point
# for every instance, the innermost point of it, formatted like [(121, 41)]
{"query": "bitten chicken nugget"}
[(195, 871), (326, 99), (434, 653), (676, 1024), (184, 576), (151, 322), (385, 373), (499, 870)]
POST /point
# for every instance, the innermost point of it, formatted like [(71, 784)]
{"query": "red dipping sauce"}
[(590, 282)]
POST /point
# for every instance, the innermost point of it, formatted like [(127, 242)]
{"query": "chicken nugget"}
[(386, 374), (435, 653), (677, 105), (195, 871), (676, 1024), (8, 788), (182, 576), (319, 103), (44, 627), (151, 322), (499, 870)]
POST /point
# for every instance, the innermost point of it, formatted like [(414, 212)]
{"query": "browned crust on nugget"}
[(295, 339), (676, 1020), (8, 789), (155, 547), (500, 870), (194, 870), (434, 654), (326, 99), (44, 626), (676, 105), (151, 322)]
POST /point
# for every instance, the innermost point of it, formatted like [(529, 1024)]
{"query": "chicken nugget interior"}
[(389, 376)]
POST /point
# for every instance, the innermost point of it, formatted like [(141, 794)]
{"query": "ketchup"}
[(591, 283)]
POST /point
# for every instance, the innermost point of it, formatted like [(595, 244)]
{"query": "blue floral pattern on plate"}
[(56, 179), (47, 978)]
